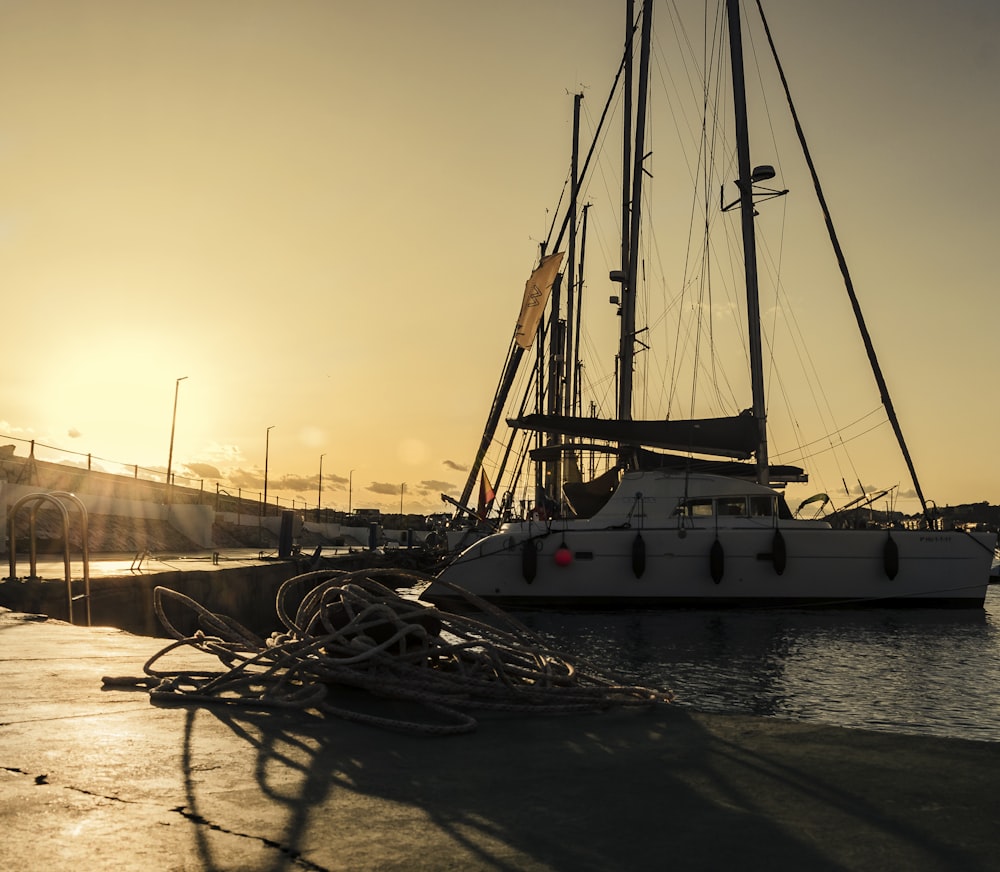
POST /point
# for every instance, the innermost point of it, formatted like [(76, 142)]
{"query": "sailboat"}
[(666, 526)]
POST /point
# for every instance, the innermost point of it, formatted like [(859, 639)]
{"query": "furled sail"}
[(649, 460), (726, 437), (536, 295)]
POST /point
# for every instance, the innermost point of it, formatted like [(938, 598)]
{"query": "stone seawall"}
[(246, 593)]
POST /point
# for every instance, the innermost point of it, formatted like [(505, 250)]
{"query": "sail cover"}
[(536, 295), (727, 437)]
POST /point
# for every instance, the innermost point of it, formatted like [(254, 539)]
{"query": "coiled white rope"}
[(350, 631)]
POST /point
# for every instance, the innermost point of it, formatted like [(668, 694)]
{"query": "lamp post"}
[(350, 490), (173, 425), (319, 496), (267, 451), (402, 489)]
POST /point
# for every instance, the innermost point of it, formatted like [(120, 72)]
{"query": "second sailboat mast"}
[(745, 184)]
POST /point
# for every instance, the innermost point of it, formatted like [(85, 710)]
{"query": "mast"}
[(572, 291), (745, 185), (552, 469), (626, 165), (577, 388), (626, 352)]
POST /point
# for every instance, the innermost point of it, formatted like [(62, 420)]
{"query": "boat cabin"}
[(663, 499)]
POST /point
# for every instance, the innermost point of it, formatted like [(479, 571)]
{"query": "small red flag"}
[(486, 495)]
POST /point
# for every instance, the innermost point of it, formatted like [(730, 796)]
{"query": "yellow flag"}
[(536, 295)]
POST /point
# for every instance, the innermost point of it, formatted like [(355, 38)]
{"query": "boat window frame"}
[(750, 507), (692, 508), (734, 506)]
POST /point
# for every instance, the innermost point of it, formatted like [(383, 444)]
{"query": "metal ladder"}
[(56, 498)]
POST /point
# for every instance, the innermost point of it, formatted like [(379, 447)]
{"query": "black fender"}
[(890, 557), (638, 556), (717, 561), (529, 560), (779, 553)]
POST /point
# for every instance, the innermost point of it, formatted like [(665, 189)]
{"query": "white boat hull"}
[(821, 566)]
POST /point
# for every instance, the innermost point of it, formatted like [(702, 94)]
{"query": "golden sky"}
[(322, 215)]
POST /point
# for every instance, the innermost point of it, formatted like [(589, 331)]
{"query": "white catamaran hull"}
[(574, 565), (716, 541)]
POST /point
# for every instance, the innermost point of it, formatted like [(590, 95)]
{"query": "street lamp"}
[(267, 451), (402, 488), (319, 497), (350, 490), (173, 425)]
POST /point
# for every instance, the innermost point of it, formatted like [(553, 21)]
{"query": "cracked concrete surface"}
[(94, 778)]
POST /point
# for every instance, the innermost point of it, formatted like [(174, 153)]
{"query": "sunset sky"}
[(322, 215)]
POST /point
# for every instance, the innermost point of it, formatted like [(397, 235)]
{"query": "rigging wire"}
[(783, 307), (849, 284)]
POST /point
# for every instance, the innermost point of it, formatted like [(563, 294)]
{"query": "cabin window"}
[(732, 506), (695, 509), (735, 507)]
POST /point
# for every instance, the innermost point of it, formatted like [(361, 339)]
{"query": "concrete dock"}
[(97, 778), (238, 582)]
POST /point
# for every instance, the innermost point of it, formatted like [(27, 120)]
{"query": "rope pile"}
[(351, 631)]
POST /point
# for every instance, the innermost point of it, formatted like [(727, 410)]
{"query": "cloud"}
[(224, 454), (381, 487), (9, 431), (458, 467), (203, 470), (297, 482), (247, 478), (73, 433), (432, 485)]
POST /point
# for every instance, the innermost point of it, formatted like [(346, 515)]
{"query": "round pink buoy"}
[(563, 556)]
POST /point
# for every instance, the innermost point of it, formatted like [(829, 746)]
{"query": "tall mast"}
[(627, 144), (626, 352), (572, 291), (745, 185), (577, 389)]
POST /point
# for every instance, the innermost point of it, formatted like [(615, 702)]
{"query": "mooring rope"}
[(351, 631)]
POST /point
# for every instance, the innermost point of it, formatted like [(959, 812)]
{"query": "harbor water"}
[(931, 672)]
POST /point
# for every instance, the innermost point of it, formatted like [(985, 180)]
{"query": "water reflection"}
[(921, 671)]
